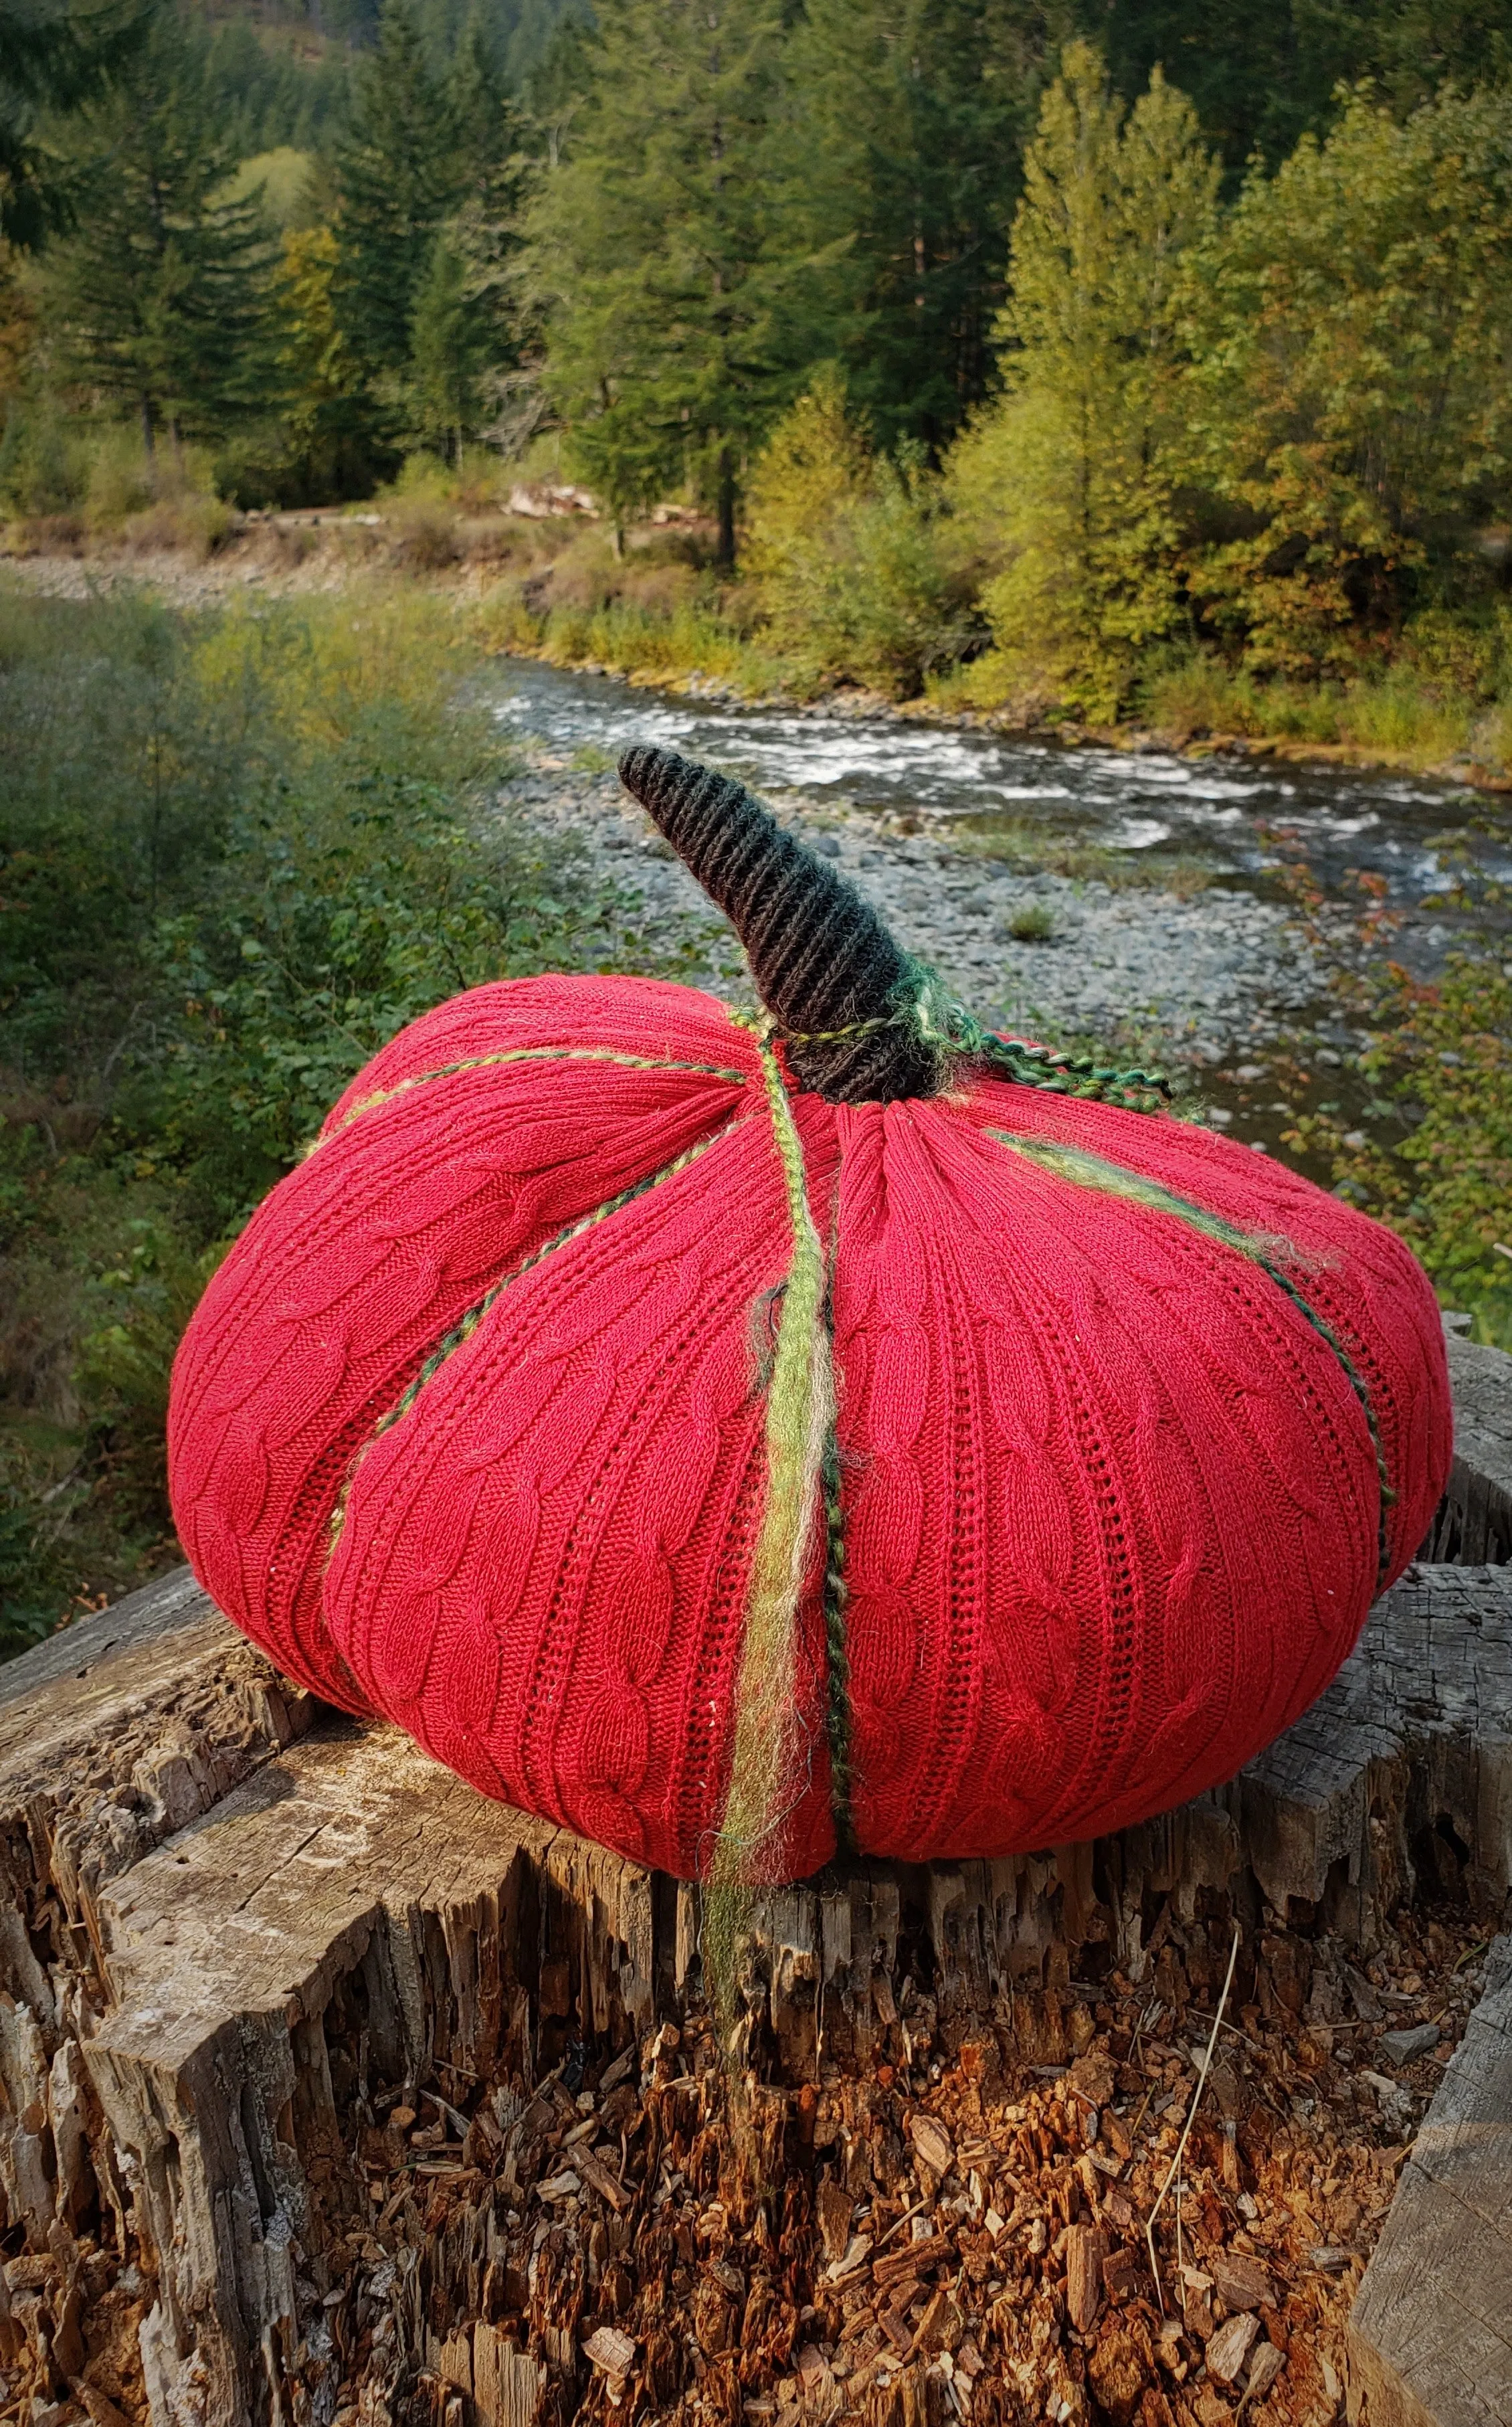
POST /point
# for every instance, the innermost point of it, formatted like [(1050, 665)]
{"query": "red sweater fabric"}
[(468, 1431)]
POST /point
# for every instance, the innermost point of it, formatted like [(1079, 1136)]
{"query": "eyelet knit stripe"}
[(1088, 1170), (521, 1053), (462, 1331)]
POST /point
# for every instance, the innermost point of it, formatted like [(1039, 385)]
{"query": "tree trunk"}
[(727, 509), (241, 1938), (149, 429)]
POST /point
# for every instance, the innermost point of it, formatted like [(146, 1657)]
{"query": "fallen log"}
[(239, 1935)]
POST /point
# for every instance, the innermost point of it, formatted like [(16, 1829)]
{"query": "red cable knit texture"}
[(459, 1445)]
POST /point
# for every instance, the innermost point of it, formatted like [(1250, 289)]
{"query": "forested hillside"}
[(1060, 335)]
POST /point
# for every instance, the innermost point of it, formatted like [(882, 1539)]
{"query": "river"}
[(1160, 878)]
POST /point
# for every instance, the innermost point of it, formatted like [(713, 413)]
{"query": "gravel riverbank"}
[(1216, 978)]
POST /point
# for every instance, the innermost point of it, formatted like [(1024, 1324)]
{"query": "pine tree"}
[(660, 253), (1262, 76), (908, 119), (157, 295), (396, 185), (448, 354), (490, 167), (1071, 477), (53, 57)]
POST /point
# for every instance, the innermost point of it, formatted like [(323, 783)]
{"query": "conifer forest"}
[(1074, 366)]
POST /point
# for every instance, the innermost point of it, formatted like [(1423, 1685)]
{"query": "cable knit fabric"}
[(469, 1430), (737, 1439)]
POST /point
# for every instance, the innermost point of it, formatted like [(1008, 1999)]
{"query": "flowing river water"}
[(1086, 892)]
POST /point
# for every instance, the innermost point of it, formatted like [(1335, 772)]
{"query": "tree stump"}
[(238, 1932), (1474, 1521)]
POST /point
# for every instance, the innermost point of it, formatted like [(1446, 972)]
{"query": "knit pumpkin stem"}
[(823, 962)]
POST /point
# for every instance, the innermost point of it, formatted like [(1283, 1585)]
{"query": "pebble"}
[(1400, 2048)]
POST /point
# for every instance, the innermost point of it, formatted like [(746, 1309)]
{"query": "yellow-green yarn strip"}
[(519, 1053), (769, 1770), (462, 1331), (1087, 1170)]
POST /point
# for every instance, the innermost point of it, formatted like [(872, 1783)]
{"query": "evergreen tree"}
[(661, 254), (157, 294), (1071, 477), (908, 119), (396, 183), (449, 354), (53, 57), (1262, 76), (490, 167)]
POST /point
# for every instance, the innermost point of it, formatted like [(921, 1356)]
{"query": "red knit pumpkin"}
[(470, 1429)]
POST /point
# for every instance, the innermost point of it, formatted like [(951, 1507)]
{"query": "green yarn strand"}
[(382, 1096), (951, 1036), (768, 1762)]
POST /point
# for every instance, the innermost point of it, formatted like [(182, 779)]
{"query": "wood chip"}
[(599, 2179), (1229, 2349), (856, 2255), (1085, 2249), (1264, 2369), (1404, 2047), (1242, 2282), (1120, 2275), (836, 2209), (560, 2187), (914, 2260), (610, 2350), (932, 2142)]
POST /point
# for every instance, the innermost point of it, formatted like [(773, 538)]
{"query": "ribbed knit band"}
[(822, 959)]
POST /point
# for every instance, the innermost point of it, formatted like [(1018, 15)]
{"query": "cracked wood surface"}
[(1474, 1521), (1430, 2335), (229, 1919)]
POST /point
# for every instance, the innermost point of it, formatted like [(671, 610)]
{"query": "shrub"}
[(845, 553), (235, 855), (1437, 1162)]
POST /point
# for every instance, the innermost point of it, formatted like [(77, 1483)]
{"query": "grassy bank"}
[(872, 594), (237, 851), (1419, 716)]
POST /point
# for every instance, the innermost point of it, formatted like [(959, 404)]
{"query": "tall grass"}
[(237, 853)]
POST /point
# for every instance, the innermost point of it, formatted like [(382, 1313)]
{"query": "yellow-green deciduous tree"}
[(844, 551), (328, 434), (1353, 403), (1070, 480)]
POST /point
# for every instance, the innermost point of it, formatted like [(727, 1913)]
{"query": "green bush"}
[(236, 854), (1436, 1161), (845, 554)]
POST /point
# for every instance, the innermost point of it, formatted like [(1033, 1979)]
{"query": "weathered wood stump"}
[(1474, 1521), (234, 1926)]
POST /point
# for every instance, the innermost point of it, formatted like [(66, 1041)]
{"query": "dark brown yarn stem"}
[(822, 959)]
